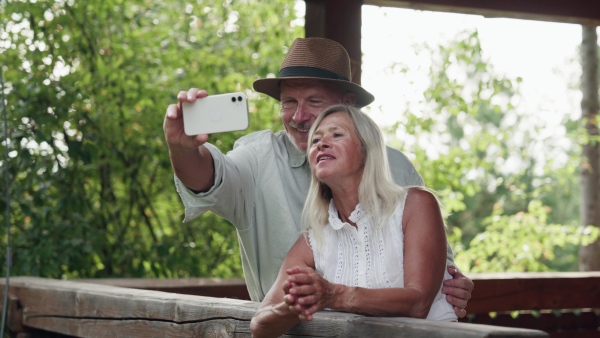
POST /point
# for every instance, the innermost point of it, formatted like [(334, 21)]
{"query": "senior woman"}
[(369, 247)]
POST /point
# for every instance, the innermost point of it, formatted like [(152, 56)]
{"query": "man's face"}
[(301, 102)]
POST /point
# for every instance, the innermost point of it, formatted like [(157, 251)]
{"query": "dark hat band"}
[(310, 72)]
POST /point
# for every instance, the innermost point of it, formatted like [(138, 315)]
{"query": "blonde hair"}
[(378, 194)]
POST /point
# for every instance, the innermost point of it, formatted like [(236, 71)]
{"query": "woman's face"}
[(336, 156)]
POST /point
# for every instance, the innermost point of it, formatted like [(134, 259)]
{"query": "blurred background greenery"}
[(87, 84)]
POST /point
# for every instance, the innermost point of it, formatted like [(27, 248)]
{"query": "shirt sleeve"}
[(403, 170), (196, 204), (233, 188)]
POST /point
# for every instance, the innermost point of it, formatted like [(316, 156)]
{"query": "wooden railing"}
[(39, 306), (563, 304)]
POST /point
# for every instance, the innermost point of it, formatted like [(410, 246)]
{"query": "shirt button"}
[(361, 273)]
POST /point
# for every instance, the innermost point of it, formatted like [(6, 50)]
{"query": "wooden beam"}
[(493, 291), (584, 12), (339, 20), (314, 19), (209, 287), (534, 291), (93, 310)]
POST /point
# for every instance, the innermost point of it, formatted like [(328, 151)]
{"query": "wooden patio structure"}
[(340, 20), (555, 305)]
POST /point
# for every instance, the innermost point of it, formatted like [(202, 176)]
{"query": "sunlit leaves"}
[(88, 83), (523, 242), (475, 148)]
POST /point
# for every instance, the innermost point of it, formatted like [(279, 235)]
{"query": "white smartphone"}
[(216, 114)]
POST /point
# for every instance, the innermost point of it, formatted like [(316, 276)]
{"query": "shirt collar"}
[(336, 223)]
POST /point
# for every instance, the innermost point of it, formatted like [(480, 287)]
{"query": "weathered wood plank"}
[(493, 291), (149, 283), (534, 291), (411, 327), (91, 310), (78, 327), (211, 287)]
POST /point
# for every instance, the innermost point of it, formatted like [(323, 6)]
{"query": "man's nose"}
[(301, 114)]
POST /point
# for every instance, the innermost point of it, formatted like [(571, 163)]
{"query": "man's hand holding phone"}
[(196, 115), (193, 164), (215, 114), (173, 125)]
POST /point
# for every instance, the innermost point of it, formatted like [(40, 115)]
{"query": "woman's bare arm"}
[(275, 317)]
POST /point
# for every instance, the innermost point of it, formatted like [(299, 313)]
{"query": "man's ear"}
[(349, 99)]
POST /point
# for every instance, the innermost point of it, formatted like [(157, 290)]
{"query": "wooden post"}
[(339, 20), (589, 256)]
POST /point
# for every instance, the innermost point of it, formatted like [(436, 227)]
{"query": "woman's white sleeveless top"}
[(366, 258)]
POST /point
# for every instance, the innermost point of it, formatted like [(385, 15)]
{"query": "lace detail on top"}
[(357, 215), (318, 260), (334, 220), (397, 237), (355, 263), (383, 272), (367, 249), (369, 257)]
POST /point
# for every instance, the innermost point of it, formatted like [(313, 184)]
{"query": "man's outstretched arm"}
[(192, 163)]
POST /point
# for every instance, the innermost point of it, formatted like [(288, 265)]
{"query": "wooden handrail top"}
[(149, 283), (493, 291), (535, 275), (86, 309)]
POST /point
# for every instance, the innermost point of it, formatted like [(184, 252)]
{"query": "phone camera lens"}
[(233, 99), (240, 98)]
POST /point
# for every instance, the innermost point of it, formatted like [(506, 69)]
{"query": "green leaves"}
[(523, 242), (511, 206), (92, 191)]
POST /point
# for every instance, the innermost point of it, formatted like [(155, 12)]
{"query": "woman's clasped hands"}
[(306, 292)]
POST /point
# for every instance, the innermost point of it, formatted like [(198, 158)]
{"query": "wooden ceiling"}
[(584, 12), (340, 20)]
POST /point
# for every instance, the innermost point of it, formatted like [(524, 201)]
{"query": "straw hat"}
[(315, 58)]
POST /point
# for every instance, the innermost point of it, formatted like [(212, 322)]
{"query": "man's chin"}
[(300, 143)]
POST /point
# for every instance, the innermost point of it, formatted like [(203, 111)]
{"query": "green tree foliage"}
[(511, 199), (87, 85), (92, 194), (521, 242)]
